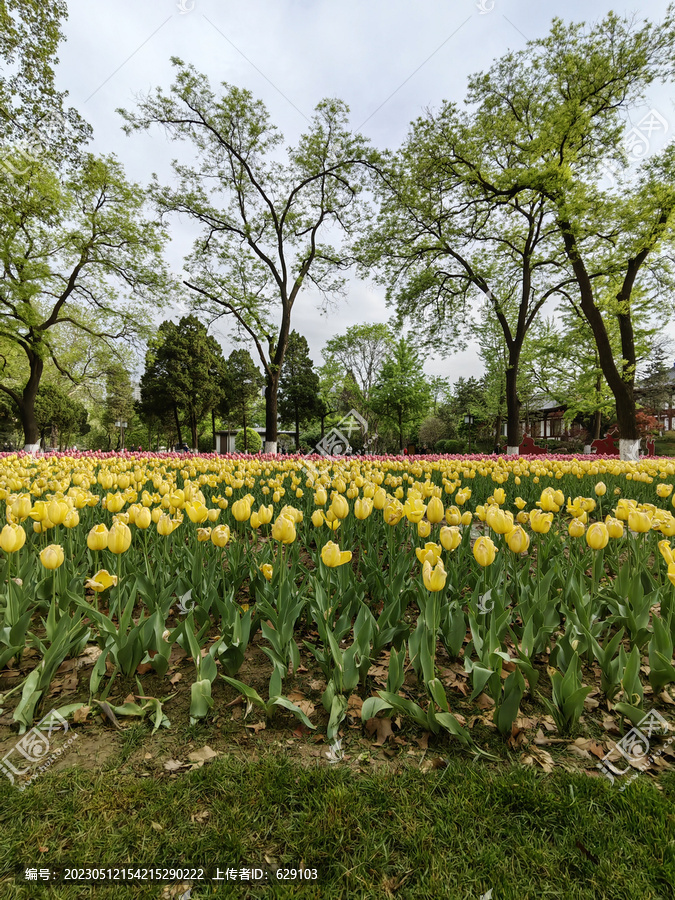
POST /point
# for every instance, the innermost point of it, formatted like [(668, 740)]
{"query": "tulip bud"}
[(12, 538), (97, 539), (597, 536), (52, 556), (484, 551), (435, 511), (119, 538), (220, 535), (267, 571)]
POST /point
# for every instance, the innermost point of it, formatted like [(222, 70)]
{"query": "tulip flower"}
[(332, 556), (453, 516), (664, 490), (220, 535), (666, 552), (499, 520), (484, 551), (265, 514), (267, 570), (339, 506), (317, 518), (639, 521), (540, 522), (101, 581), (434, 577), (414, 509), (597, 536), (283, 530), (614, 527), (520, 503), (576, 528), (435, 510), (57, 510), (197, 512), (241, 510), (450, 537), (671, 573), (431, 552), (518, 540), (143, 518), (379, 498), (462, 496), (203, 535), (363, 507), (467, 518), (97, 539), (119, 538), (52, 556), (21, 507), (601, 489), (320, 496), (393, 512), (165, 525), (499, 496), (12, 538)]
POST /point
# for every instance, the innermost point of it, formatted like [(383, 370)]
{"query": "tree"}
[(66, 246), (440, 243), (299, 386), (243, 383), (263, 220), (556, 113), (184, 372), (361, 351), (119, 402), (61, 415), (401, 394), (247, 440)]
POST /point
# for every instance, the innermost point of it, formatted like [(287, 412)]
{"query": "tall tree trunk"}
[(512, 406), (193, 428), (180, 436), (323, 421), (29, 424), (271, 391), (53, 436), (213, 428)]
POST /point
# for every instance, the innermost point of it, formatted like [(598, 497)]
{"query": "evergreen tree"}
[(299, 386)]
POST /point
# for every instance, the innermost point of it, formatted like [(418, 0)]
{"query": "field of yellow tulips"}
[(425, 587)]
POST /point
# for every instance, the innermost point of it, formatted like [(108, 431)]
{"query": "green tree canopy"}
[(299, 386)]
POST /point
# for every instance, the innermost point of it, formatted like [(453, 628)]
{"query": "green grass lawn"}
[(453, 832)]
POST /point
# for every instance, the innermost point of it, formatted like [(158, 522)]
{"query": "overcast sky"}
[(388, 59)]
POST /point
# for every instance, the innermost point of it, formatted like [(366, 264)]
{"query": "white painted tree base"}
[(31, 448), (513, 451), (587, 449), (270, 447), (629, 449)]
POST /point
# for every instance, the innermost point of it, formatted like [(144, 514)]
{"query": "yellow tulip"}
[(157, 514), (671, 573), (435, 510), (430, 551), (119, 538), (522, 518), (462, 496), (340, 506), (317, 518), (414, 509), (265, 514), (203, 535), (143, 518), (423, 528), (283, 530), (241, 510), (320, 496), (57, 510), (664, 490), (499, 520), (639, 521), (614, 527), (267, 570), (220, 535), (197, 512), (467, 518), (520, 503), (12, 538), (499, 496), (547, 500), (101, 581), (601, 489), (434, 578), (379, 498), (165, 525), (518, 540), (332, 556), (393, 512), (453, 516), (484, 551), (450, 537), (254, 521), (97, 539), (597, 536), (22, 506), (52, 556), (576, 528), (666, 552), (540, 522), (363, 507)]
